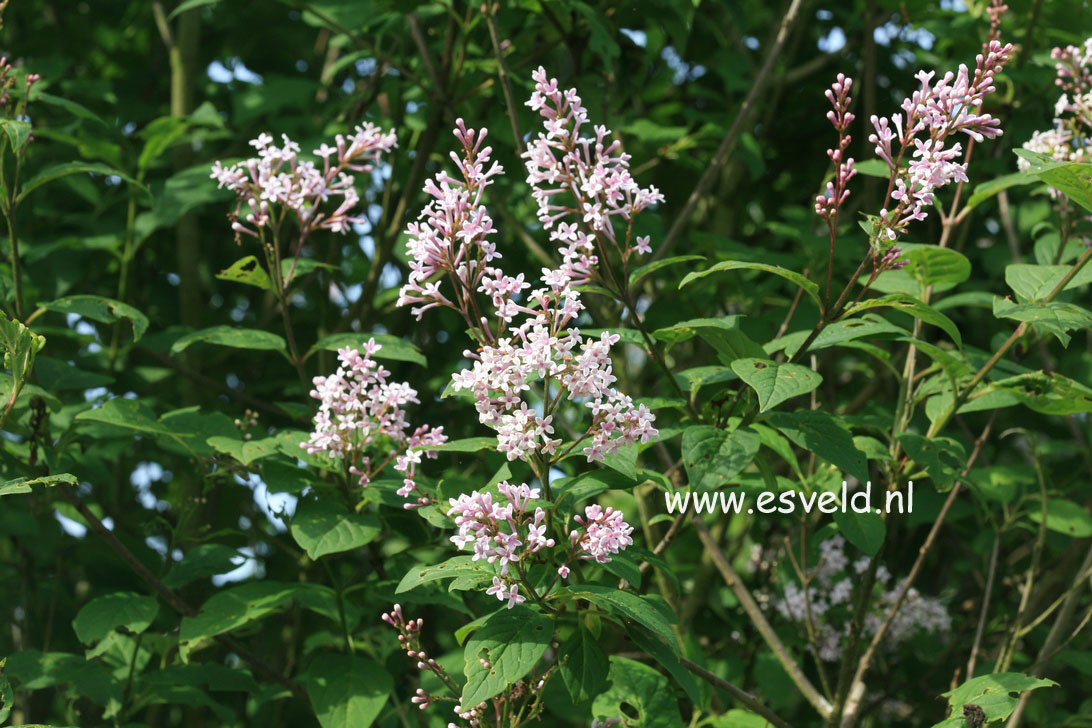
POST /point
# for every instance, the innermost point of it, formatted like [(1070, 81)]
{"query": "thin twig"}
[(502, 71), (742, 696), (985, 604)]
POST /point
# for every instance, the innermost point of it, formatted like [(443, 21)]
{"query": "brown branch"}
[(754, 612)]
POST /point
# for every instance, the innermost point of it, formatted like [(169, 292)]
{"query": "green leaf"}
[(623, 460), (631, 606), (247, 270), (17, 132), (583, 665), (1072, 179), (1064, 516), (324, 527), (641, 690), (201, 562), (1035, 282), (826, 436), (866, 327), (942, 457), (1055, 317), (7, 695), (455, 567), (873, 168), (800, 281), (648, 269), (102, 615), (914, 307), (128, 413), (230, 609), (22, 485), (928, 265), (232, 337), (98, 308), (300, 267), (467, 444), (21, 346), (347, 691), (1047, 392), (37, 670), (996, 694), (713, 456), (988, 190), (866, 531), (666, 658), (64, 169), (245, 451), (56, 375), (773, 382), (393, 347), (512, 641)]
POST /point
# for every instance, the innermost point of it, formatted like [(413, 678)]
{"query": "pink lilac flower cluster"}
[(501, 533), (827, 205), (830, 608), (360, 411), (580, 368), (451, 241), (585, 179), (278, 178), (605, 533), (506, 533), (1070, 137), (936, 111)]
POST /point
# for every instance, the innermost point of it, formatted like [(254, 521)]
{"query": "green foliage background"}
[(153, 94)]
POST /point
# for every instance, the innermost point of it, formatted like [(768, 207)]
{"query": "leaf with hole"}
[(511, 642), (713, 456), (246, 270), (637, 688), (1055, 317), (775, 382)]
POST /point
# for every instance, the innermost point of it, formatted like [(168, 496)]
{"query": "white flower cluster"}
[(829, 601)]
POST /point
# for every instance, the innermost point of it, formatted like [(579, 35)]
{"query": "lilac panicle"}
[(361, 412), (935, 112), (582, 184), (529, 336), (278, 179)]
